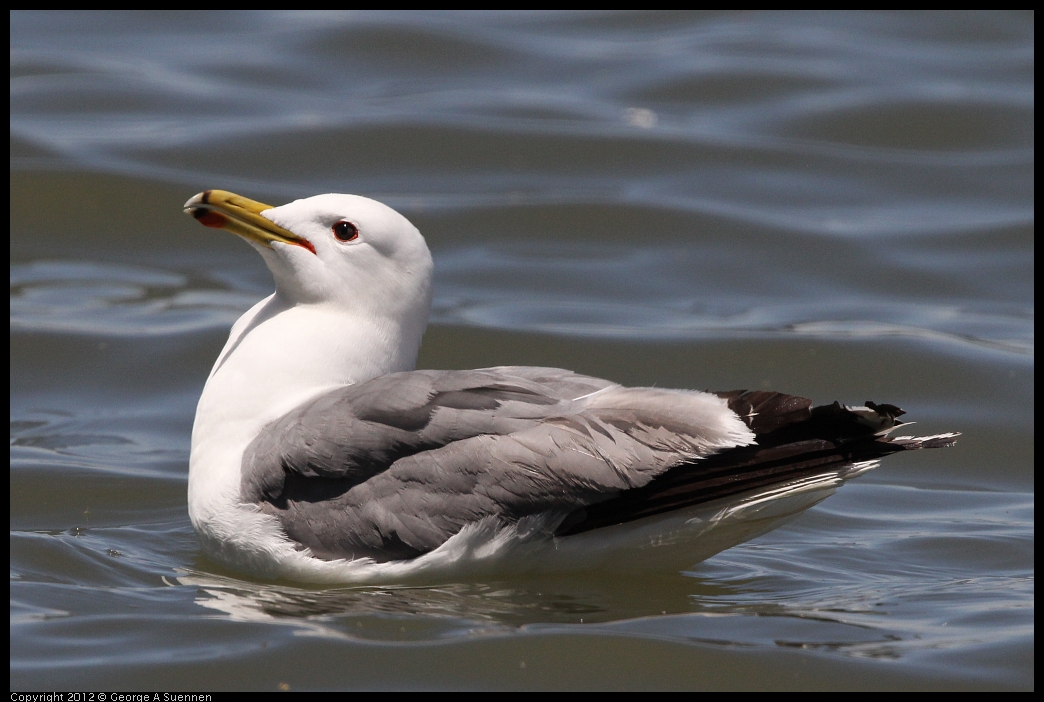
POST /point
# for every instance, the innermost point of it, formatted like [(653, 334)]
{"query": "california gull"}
[(319, 454)]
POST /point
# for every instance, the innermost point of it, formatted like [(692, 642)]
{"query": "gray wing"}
[(357, 431), (393, 467)]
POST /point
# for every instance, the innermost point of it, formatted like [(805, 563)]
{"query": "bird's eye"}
[(345, 231)]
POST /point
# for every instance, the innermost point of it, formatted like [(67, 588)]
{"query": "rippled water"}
[(834, 205)]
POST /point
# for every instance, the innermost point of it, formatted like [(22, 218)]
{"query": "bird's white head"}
[(345, 251)]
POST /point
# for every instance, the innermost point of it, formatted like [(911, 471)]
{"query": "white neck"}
[(278, 356)]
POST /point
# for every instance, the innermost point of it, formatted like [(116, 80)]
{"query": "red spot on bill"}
[(210, 218)]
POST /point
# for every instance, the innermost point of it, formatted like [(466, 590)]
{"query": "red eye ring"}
[(345, 231)]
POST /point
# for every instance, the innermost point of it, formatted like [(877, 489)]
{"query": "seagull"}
[(319, 454)]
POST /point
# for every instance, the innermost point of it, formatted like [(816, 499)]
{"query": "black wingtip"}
[(885, 410)]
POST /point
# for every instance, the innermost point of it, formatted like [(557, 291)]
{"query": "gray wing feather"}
[(357, 431), (401, 463)]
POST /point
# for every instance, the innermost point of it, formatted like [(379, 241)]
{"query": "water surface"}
[(834, 205)]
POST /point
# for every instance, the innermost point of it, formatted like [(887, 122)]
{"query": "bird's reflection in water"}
[(593, 598), (680, 607)]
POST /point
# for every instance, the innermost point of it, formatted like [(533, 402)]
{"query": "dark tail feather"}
[(794, 441)]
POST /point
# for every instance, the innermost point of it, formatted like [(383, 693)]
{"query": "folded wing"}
[(393, 467)]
